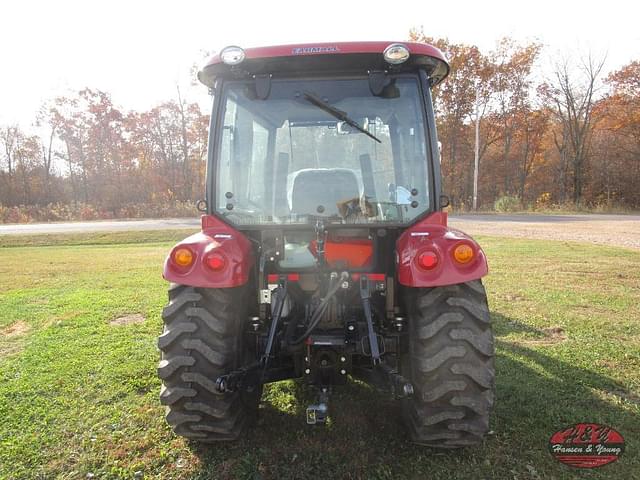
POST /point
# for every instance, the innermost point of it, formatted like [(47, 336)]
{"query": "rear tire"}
[(450, 364), (203, 339)]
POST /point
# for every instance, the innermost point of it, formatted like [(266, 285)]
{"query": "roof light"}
[(396, 53), (232, 55)]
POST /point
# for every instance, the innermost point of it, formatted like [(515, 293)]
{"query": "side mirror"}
[(201, 206), (444, 201)]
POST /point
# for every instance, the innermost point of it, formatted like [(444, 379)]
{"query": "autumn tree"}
[(170, 143), (50, 121), (617, 142), (8, 140), (22, 156), (511, 85), (500, 82), (572, 93), (455, 104), (531, 136)]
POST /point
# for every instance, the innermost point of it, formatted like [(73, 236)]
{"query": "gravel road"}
[(616, 230)]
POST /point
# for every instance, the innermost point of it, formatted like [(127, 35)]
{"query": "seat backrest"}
[(324, 187)]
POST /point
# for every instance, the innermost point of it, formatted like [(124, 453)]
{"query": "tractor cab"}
[(339, 132), (334, 136)]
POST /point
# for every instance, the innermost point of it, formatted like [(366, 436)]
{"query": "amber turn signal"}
[(182, 257), (463, 253), (428, 260)]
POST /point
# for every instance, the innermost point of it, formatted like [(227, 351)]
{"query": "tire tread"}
[(451, 365), (202, 340)]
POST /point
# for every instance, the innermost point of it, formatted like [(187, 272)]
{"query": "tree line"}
[(97, 161), (570, 138)]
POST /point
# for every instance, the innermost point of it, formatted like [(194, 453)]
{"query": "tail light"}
[(427, 260), (216, 261), (463, 253), (182, 257)]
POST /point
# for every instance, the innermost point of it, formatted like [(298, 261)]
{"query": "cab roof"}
[(317, 58)]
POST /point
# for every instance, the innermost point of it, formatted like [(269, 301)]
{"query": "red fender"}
[(432, 234), (216, 236)]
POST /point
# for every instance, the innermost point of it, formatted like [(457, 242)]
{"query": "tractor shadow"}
[(537, 394)]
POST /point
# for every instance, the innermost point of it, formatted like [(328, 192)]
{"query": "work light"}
[(232, 55), (396, 53)]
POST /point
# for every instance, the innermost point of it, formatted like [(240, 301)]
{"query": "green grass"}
[(94, 238), (79, 396)]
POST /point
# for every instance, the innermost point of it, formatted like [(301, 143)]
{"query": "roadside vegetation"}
[(79, 394), (79, 211), (514, 204)]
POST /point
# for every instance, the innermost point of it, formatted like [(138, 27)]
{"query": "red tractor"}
[(324, 252)]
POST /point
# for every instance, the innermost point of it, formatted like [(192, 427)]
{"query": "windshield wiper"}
[(339, 114)]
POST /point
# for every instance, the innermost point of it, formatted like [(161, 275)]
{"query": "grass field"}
[(79, 395)]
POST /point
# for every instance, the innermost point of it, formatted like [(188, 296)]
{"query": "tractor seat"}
[(325, 187)]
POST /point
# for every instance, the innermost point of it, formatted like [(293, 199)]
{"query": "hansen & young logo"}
[(586, 445)]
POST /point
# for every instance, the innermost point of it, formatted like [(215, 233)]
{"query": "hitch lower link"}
[(248, 376), (245, 377), (400, 386)]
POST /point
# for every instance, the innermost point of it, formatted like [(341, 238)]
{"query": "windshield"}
[(322, 149)]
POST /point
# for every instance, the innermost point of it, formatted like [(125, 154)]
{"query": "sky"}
[(139, 51)]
